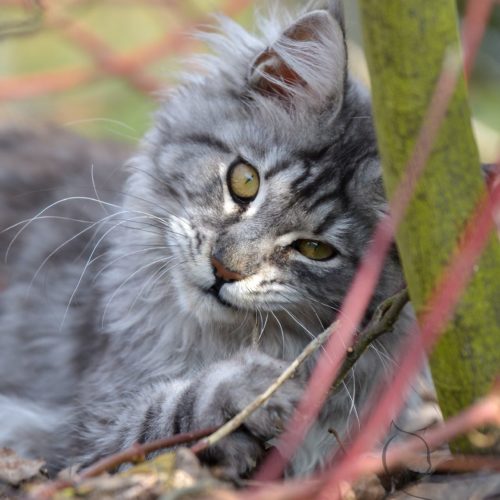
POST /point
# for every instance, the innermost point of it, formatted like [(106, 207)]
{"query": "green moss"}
[(406, 43)]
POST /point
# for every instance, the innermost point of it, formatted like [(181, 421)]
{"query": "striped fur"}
[(117, 333)]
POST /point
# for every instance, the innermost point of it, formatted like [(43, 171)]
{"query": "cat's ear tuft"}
[(308, 59), (336, 9)]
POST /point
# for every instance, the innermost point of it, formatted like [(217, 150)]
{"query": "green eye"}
[(314, 250), (243, 182)]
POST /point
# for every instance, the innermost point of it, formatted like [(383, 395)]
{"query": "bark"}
[(406, 41)]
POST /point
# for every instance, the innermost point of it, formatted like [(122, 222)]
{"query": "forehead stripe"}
[(205, 139)]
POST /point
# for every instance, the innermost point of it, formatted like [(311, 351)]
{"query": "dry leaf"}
[(14, 470)]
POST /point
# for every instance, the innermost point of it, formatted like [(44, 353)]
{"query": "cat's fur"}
[(116, 338)]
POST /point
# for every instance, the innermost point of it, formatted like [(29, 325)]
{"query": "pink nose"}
[(223, 273)]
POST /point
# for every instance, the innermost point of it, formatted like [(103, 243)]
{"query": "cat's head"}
[(266, 172)]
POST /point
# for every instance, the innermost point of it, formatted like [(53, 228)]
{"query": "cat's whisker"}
[(283, 308), (311, 299), (382, 351), (316, 314), (288, 300), (92, 178), (280, 326), (101, 119), (54, 204), (322, 348), (149, 283), (62, 245), (263, 327), (243, 322), (157, 206), (124, 256), (163, 271), (352, 396), (95, 225), (124, 282), (87, 264), (50, 217), (352, 408), (383, 361), (162, 221)]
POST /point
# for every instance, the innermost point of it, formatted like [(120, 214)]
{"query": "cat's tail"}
[(28, 427)]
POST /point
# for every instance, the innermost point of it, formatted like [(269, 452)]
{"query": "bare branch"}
[(382, 322), (135, 453), (238, 419), (138, 452)]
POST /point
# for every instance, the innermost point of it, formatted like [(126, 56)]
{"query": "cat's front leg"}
[(211, 398), (225, 389)]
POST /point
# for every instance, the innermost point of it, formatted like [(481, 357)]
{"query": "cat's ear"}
[(308, 59)]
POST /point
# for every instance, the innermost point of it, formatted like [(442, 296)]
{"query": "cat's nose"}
[(223, 273)]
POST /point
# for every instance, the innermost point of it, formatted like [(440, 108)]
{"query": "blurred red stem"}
[(360, 292), (438, 311)]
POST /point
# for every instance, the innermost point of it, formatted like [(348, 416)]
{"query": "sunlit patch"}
[(229, 207)]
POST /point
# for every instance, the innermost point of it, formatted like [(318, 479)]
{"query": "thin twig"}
[(364, 282), (238, 419), (382, 322), (469, 463), (132, 454), (421, 338), (336, 435), (485, 412), (139, 452)]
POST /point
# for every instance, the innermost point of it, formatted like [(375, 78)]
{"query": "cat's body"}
[(187, 301)]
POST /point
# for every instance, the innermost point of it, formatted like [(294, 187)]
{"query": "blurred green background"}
[(95, 65)]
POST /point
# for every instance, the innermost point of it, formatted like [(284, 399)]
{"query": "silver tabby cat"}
[(166, 305)]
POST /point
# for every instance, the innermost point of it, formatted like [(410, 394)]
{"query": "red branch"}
[(484, 412), (437, 313), (133, 454), (130, 66), (139, 451), (361, 290), (103, 55), (476, 18)]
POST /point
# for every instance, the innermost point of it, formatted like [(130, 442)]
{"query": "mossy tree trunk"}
[(406, 41)]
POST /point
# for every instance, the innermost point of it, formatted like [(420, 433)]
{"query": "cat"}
[(166, 305)]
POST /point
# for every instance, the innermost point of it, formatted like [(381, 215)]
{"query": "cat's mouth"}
[(215, 289), (214, 292)]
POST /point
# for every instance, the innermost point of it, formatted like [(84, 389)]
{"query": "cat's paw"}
[(225, 390)]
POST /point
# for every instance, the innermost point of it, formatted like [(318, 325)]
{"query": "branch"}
[(382, 322), (483, 413), (139, 451), (238, 419), (135, 453)]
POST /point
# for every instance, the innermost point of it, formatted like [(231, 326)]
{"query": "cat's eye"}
[(243, 182), (315, 250)]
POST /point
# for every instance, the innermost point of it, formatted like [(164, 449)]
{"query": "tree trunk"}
[(406, 41)]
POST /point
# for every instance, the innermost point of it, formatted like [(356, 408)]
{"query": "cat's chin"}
[(208, 308)]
